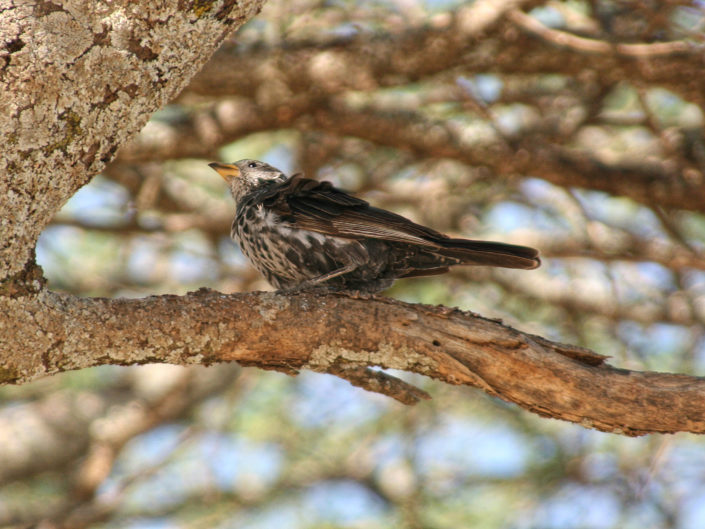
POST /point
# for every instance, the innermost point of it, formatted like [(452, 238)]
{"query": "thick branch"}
[(334, 333), (76, 82)]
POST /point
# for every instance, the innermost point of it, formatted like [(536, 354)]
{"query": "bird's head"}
[(245, 176)]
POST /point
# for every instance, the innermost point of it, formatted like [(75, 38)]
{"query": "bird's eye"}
[(252, 164)]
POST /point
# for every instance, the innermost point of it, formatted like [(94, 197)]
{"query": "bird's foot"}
[(307, 287), (357, 294)]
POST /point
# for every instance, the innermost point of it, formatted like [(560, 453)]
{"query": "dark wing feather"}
[(490, 253), (320, 207)]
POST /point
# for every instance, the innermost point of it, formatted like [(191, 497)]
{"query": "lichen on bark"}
[(76, 83)]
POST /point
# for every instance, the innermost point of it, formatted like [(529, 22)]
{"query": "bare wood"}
[(322, 333)]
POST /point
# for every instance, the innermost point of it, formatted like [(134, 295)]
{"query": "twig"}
[(598, 47)]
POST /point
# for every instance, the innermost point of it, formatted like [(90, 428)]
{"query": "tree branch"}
[(511, 42), (323, 333), (76, 83), (655, 182), (578, 44), (648, 183)]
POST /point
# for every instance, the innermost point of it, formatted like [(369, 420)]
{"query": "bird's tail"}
[(488, 253)]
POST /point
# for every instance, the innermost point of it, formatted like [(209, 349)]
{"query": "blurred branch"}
[(87, 507), (671, 308), (327, 333), (356, 63), (509, 42), (95, 435), (168, 223), (647, 183), (599, 47), (61, 134), (200, 134), (614, 244)]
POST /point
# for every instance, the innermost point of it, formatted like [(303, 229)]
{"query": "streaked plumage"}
[(299, 232)]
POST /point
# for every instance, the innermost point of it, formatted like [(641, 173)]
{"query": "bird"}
[(301, 233)]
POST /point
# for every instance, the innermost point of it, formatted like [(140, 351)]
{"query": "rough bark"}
[(308, 331), (76, 82)]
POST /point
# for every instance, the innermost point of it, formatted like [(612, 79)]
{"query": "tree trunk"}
[(76, 81)]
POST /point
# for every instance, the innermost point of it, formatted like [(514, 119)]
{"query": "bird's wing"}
[(320, 207)]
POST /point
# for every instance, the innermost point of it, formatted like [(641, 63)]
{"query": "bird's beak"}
[(227, 171)]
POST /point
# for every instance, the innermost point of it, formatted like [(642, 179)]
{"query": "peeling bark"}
[(322, 333)]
